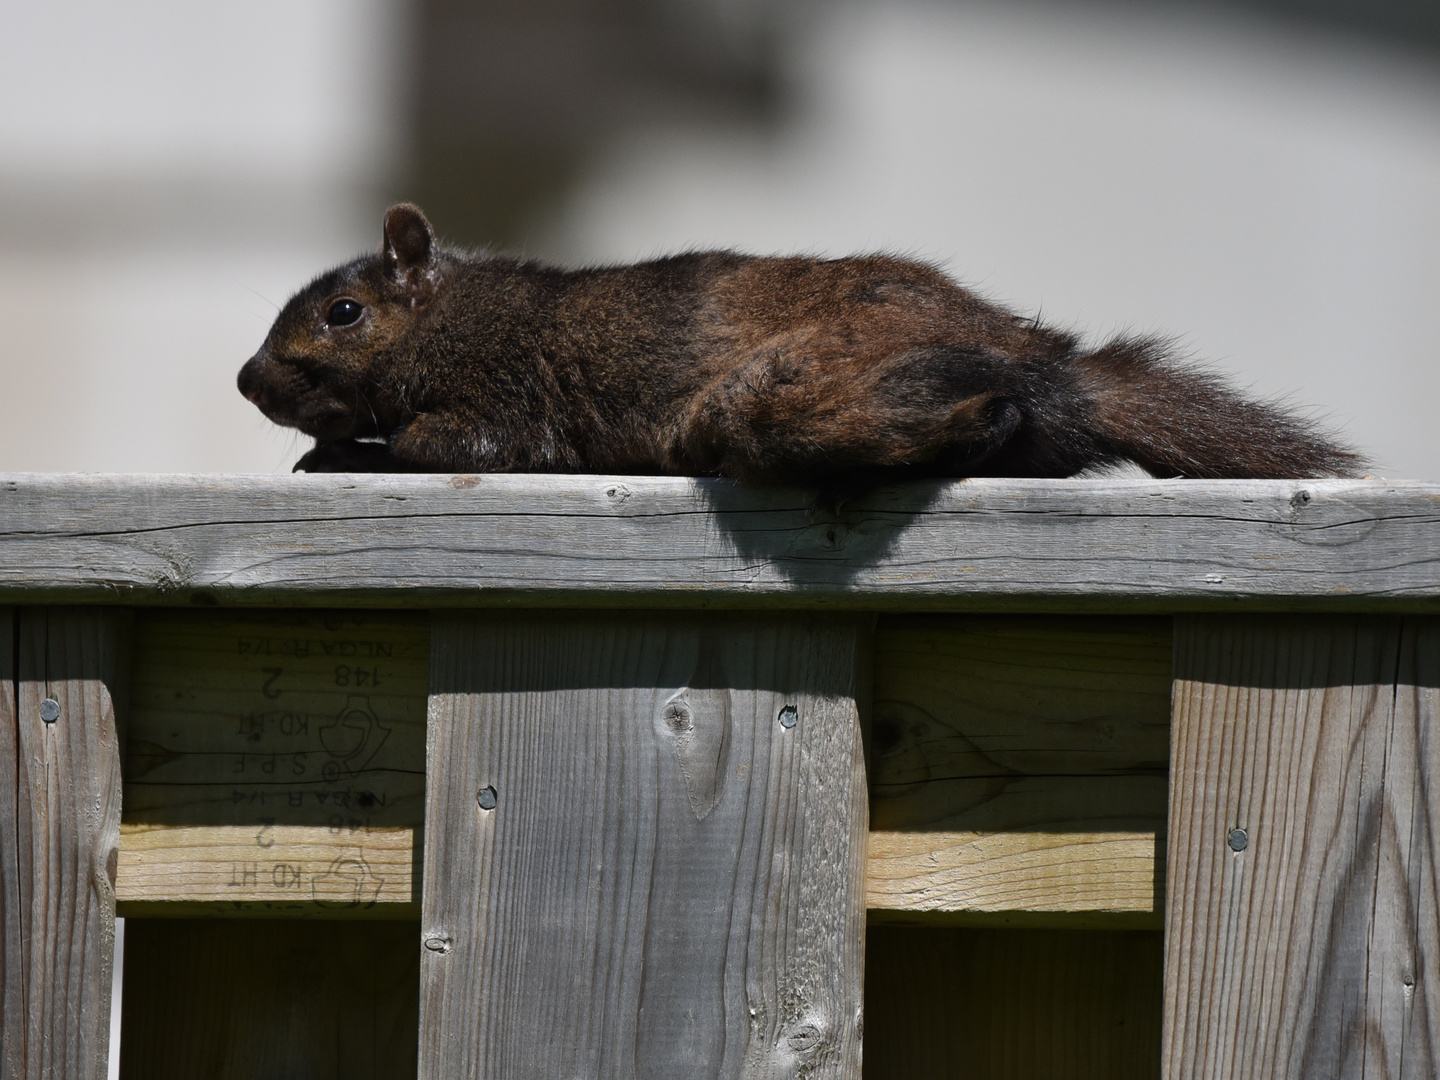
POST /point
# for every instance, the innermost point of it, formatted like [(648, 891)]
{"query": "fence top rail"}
[(642, 541)]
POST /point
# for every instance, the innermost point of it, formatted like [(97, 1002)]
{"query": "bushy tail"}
[(1174, 420)]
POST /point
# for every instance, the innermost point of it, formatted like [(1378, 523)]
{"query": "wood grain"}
[(969, 1004), (336, 870), (275, 763), (671, 881), (1311, 947), (1019, 762), (244, 999), (62, 807), (993, 873), (574, 541), (13, 917), (278, 718), (1019, 765)]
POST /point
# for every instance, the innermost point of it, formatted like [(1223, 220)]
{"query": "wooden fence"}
[(555, 777)]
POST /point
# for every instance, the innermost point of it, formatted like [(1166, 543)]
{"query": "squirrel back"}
[(840, 373)]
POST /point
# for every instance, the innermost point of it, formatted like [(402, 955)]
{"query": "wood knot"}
[(678, 718), (697, 725), (805, 1038)]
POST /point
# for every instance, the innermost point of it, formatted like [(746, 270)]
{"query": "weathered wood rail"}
[(981, 545), (522, 776)]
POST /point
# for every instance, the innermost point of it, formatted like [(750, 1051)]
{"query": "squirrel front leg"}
[(347, 456), (442, 442), (432, 442)]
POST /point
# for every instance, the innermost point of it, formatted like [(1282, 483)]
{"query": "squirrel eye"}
[(344, 312)]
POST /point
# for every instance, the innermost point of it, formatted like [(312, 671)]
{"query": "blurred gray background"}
[(1257, 178)]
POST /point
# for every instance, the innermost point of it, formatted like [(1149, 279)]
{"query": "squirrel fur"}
[(833, 373)]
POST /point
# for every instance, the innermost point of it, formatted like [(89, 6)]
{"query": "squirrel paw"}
[(347, 455)]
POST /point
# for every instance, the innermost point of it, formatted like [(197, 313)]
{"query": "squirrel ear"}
[(409, 241)]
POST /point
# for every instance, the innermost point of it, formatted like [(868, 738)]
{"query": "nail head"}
[(789, 716), (1238, 839), (49, 710), (488, 798)]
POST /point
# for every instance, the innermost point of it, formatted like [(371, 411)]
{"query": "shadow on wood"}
[(1018, 769), (244, 999), (981, 1004)]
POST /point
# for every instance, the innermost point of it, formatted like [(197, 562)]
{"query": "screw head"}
[(789, 716), (488, 798), (1238, 840), (49, 710)]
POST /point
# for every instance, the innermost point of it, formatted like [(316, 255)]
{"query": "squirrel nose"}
[(249, 381)]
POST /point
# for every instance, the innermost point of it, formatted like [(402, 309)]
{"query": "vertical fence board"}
[(1405, 957), (670, 882), (63, 811), (12, 937), (1308, 945)]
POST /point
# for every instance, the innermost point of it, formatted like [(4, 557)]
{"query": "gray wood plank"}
[(1308, 944), (12, 919), (66, 820), (670, 882), (676, 542)]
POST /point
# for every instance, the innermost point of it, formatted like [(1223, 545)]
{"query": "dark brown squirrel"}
[(833, 373)]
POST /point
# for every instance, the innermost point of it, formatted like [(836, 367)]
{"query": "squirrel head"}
[(328, 365)]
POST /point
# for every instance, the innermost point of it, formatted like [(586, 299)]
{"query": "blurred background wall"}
[(1258, 178)]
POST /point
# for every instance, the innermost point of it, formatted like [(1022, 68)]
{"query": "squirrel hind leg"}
[(927, 412), (969, 457), (1001, 420)]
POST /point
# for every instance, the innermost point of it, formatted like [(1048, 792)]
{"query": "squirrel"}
[(836, 374)]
